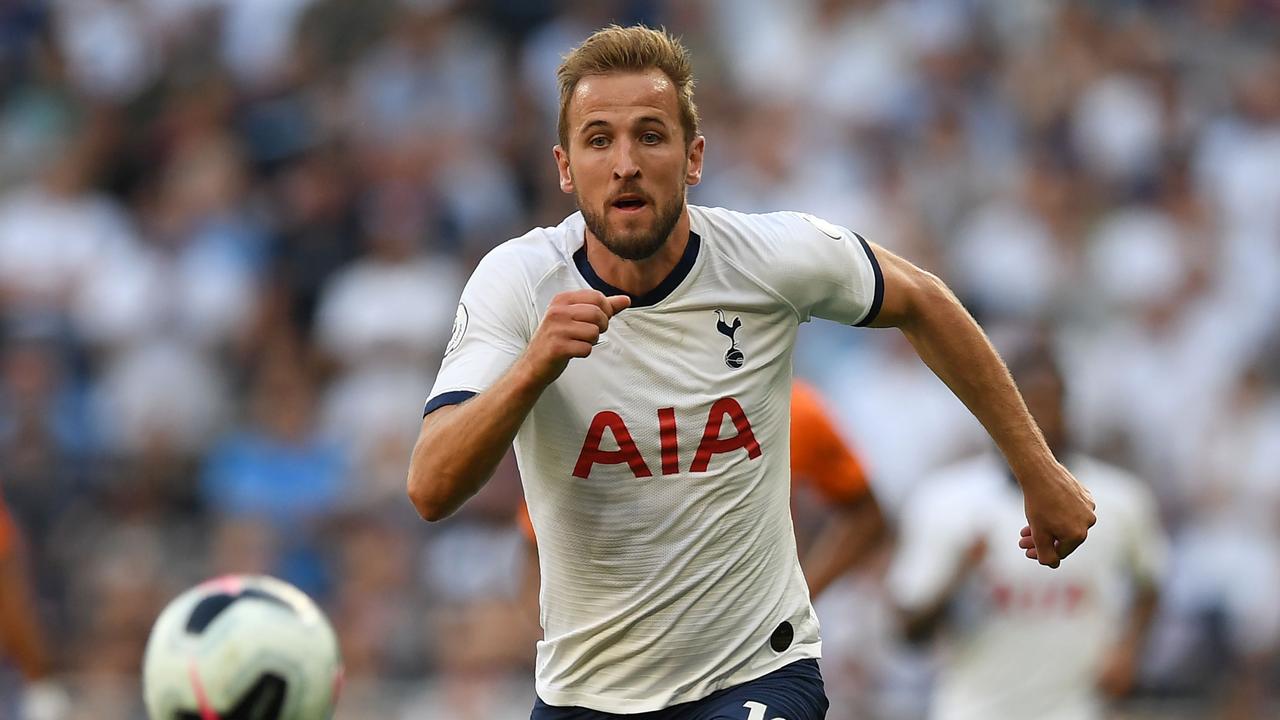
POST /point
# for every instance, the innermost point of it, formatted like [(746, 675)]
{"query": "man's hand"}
[(570, 328), (1059, 515)]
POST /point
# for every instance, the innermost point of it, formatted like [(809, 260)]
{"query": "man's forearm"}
[(955, 348), (845, 541), (460, 446)]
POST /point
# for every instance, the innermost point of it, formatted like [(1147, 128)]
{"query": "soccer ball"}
[(241, 647)]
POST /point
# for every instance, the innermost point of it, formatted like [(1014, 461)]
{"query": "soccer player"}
[(639, 356), (20, 637), (823, 461), (1003, 618)]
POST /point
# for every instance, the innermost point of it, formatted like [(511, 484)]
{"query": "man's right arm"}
[(459, 446)]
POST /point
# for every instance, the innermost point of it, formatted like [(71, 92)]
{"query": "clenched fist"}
[(1060, 512), (570, 329)]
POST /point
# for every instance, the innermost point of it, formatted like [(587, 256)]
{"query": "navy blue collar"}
[(654, 296)]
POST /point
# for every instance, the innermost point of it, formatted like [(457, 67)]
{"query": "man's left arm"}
[(1059, 510)]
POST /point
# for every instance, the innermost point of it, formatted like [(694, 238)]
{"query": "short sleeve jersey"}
[(656, 470), (1014, 619)]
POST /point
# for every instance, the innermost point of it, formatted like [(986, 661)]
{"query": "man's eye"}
[(651, 138), (598, 141)]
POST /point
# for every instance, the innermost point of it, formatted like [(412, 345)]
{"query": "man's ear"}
[(693, 175), (562, 165)]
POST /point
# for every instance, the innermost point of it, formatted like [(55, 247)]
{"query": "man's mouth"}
[(628, 203)]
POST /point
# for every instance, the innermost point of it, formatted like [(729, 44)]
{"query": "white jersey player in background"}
[(639, 356), (999, 618)]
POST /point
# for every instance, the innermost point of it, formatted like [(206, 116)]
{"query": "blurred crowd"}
[(233, 234)]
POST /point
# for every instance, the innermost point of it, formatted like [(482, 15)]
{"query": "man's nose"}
[(624, 161)]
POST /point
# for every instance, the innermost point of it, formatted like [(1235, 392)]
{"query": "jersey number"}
[(758, 710), (627, 452)]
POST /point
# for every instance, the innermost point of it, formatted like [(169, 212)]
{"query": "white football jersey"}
[(657, 470), (1024, 641)]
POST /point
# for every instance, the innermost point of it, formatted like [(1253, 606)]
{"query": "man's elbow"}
[(928, 291), (913, 297), (430, 503)]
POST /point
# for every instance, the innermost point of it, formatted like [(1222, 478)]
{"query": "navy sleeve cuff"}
[(877, 299), (452, 397)]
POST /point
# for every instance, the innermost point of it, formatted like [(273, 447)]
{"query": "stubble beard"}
[(641, 244)]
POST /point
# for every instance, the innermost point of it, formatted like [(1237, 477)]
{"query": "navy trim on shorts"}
[(654, 296), (453, 397), (878, 298), (794, 691)]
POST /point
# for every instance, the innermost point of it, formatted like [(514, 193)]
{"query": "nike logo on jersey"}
[(827, 228), (733, 357)]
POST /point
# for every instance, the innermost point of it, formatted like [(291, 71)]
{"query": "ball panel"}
[(212, 606)]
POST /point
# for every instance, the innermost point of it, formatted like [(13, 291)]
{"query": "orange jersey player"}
[(6, 532), (824, 462), (20, 637), (821, 459)]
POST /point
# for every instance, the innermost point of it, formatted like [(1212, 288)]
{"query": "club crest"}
[(733, 357)]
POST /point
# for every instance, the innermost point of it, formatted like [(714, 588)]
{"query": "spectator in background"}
[(1225, 577), (57, 230), (46, 434), (279, 469), (317, 234), (375, 609), (361, 319), (195, 277), (1015, 256)]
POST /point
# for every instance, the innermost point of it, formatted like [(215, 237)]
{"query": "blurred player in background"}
[(21, 640), (854, 527), (656, 464), (1091, 616), (822, 461)]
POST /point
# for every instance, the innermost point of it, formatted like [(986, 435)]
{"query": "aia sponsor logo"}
[(711, 444)]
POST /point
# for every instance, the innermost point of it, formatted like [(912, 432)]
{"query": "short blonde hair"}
[(636, 48)]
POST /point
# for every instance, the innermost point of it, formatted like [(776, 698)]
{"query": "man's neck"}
[(637, 277)]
